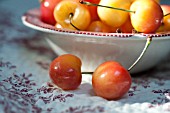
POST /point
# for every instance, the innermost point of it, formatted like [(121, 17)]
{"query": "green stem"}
[(93, 4), (148, 42)]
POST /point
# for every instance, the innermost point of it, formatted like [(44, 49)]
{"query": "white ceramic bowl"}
[(95, 48)]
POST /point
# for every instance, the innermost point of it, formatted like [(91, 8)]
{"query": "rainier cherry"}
[(111, 80), (99, 26), (147, 17), (47, 8), (65, 72), (72, 15), (112, 17)]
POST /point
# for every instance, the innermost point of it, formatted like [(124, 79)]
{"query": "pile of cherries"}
[(146, 16), (110, 80)]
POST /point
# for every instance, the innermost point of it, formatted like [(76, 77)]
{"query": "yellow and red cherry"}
[(165, 26), (58, 26), (147, 17), (72, 15), (111, 80), (65, 72), (111, 17), (46, 9), (99, 26)]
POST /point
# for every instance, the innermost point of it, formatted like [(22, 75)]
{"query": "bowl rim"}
[(31, 19)]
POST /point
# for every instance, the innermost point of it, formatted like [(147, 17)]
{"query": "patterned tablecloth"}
[(25, 85)]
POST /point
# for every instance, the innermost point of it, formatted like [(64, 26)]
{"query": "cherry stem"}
[(70, 17), (148, 42), (87, 73), (93, 4), (167, 14)]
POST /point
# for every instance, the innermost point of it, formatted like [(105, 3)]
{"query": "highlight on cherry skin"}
[(110, 80)]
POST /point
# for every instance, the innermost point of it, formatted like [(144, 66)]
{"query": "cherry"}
[(165, 26), (72, 15), (65, 71), (46, 9), (127, 26), (147, 17), (93, 10), (114, 18), (99, 26), (111, 80)]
